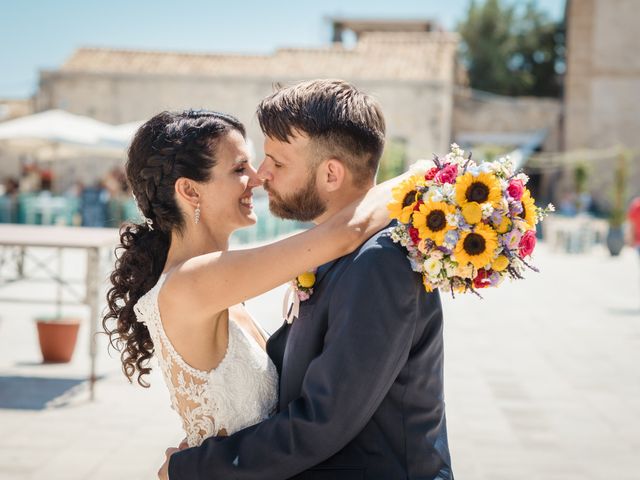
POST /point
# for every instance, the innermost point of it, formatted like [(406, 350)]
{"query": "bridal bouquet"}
[(466, 226)]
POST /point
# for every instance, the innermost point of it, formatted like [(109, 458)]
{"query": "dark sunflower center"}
[(409, 198), (474, 244), (523, 213), (436, 220), (477, 192)]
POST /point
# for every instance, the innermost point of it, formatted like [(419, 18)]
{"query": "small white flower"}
[(437, 254), (486, 167), (473, 170), (450, 268), (487, 210), (416, 266), (452, 219), (465, 271), (432, 266), (523, 177), (456, 150), (448, 191), (436, 195)]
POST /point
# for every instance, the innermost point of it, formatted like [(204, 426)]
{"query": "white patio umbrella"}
[(58, 126)]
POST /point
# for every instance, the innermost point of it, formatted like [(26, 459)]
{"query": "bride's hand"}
[(371, 213)]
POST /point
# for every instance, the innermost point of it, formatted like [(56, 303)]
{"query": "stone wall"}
[(478, 112), (417, 111), (603, 79)]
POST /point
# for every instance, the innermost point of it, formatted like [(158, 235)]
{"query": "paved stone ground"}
[(542, 382)]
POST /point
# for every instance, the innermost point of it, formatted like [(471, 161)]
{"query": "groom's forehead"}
[(295, 146)]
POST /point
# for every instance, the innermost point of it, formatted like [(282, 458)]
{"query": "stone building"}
[(410, 67), (602, 104)]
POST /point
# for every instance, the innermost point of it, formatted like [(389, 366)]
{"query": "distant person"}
[(94, 206), (634, 220)]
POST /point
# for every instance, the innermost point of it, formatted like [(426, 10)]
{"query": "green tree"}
[(512, 51)]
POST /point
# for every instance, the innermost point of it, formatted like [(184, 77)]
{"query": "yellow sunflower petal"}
[(528, 208), (500, 263), (472, 213), (505, 225)]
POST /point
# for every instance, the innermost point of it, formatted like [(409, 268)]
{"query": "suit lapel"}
[(324, 269)]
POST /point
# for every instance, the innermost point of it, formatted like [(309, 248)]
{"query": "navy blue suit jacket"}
[(361, 384)]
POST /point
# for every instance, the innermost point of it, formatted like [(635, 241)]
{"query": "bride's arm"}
[(213, 282)]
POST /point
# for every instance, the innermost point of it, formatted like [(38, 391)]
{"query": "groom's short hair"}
[(343, 123)]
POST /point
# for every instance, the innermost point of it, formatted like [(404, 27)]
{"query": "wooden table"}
[(91, 240)]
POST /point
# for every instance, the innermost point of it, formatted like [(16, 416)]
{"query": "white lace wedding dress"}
[(241, 391)]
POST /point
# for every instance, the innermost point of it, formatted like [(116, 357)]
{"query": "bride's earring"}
[(197, 214)]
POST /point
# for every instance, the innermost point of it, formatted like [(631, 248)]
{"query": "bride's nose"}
[(254, 179)]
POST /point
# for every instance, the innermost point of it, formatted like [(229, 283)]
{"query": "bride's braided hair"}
[(167, 147)]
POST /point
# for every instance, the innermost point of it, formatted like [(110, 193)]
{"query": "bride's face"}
[(227, 200)]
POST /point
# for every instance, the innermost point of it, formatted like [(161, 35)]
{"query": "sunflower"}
[(477, 247), (404, 199), (485, 188), (431, 220), (528, 209)]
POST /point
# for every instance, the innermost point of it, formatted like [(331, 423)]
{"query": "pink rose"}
[(515, 189), (415, 235), (431, 173), (448, 174), (482, 279), (527, 243)]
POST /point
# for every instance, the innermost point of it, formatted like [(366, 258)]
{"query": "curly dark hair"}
[(169, 146)]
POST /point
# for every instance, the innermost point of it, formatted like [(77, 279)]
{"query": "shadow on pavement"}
[(36, 393), (624, 311)]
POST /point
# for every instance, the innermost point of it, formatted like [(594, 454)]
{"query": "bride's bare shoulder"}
[(178, 298)]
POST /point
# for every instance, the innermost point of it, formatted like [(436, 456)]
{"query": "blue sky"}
[(41, 34)]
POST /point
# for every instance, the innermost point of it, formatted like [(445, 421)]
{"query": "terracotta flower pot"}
[(57, 339)]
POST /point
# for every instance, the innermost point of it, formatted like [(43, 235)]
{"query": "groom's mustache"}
[(268, 188)]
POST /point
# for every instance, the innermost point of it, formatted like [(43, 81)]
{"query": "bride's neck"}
[(194, 242)]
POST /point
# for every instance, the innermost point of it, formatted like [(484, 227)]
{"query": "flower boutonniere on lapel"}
[(302, 289), (303, 285)]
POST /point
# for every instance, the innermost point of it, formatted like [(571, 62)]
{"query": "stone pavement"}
[(542, 382)]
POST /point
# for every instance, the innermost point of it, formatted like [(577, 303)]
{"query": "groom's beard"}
[(303, 205)]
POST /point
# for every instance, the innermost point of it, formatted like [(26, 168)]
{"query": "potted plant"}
[(615, 236), (57, 337)]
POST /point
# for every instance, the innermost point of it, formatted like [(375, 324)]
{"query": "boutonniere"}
[(301, 288)]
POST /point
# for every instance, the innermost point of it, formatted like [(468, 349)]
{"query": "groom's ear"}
[(187, 191), (333, 175)]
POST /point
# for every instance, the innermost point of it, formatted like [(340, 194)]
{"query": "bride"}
[(177, 290)]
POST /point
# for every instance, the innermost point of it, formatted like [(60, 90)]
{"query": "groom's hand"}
[(163, 473)]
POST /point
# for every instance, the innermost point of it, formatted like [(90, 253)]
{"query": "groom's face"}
[(290, 180)]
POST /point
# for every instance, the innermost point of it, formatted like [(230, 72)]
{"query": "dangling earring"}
[(197, 214)]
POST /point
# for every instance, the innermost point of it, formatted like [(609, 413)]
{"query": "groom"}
[(361, 387)]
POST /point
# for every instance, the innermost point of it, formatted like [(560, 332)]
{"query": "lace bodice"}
[(241, 391)]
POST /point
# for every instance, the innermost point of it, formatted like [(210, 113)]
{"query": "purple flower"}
[(515, 208), (511, 240), (496, 217), (494, 279)]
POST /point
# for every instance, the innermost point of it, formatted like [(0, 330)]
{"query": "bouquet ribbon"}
[(290, 309)]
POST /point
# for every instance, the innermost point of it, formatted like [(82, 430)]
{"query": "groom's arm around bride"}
[(361, 391)]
